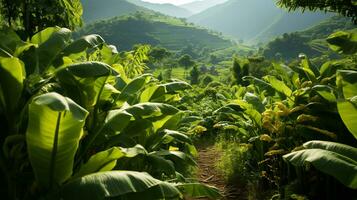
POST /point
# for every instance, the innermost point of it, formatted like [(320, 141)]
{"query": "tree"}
[(158, 54), (346, 8), (194, 74), (213, 59), (240, 69), (190, 49), (30, 16), (186, 61)]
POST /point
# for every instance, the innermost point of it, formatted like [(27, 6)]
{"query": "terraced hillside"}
[(155, 29)]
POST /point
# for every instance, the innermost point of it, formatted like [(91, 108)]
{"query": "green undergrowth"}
[(236, 172), (232, 161)]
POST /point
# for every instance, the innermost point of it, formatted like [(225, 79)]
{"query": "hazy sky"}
[(176, 2)]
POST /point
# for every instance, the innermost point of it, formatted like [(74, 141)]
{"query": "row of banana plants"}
[(298, 124), (78, 119)]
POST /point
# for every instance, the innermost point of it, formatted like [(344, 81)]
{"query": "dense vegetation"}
[(69, 110), (155, 29), (117, 109), (310, 41), (30, 17)]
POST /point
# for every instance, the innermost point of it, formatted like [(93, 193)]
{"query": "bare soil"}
[(207, 173)]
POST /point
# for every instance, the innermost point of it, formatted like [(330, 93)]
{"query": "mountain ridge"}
[(164, 8), (198, 6), (105, 9), (236, 18), (94, 10)]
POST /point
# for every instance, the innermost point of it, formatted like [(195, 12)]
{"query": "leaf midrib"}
[(54, 150)]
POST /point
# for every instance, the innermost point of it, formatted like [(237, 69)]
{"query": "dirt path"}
[(207, 158)]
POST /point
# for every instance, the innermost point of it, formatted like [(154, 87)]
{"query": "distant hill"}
[(293, 21), (104, 9), (155, 29), (165, 8), (201, 5), (254, 20), (311, 41)]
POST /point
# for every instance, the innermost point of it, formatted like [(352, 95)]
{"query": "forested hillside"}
[(310, 41), (155, 29), (253, 25), (96, 10)]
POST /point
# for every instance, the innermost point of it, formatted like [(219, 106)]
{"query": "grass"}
[(232, 162)]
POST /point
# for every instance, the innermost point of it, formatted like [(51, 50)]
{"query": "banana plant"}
[(347, 101), (52, 145), (335, 159), (77, 122), (293, 105)]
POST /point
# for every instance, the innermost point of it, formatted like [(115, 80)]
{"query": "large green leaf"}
[(109, 54), (179, 158), (163, 92), (107, 160), (343, 41), (12, 76), (174, 121), (343, 149), (118, 120), (333, 159), (348, 113), (167, 137), (176, 86), (175, 136), (11, 44), (44, 35), (347, 107), (261, 84), (137, 116), (151, 92), (325, 92), (82, 44), (237, 105), (254, 100), (310, 71), (129, 92), (89, 69), (148, 110), (161, 165), (51, 42), (54, 129), (198, 190), (85, 81), (346, 81), (283, 71), (329, 68), (278, 85), (114, 184)]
